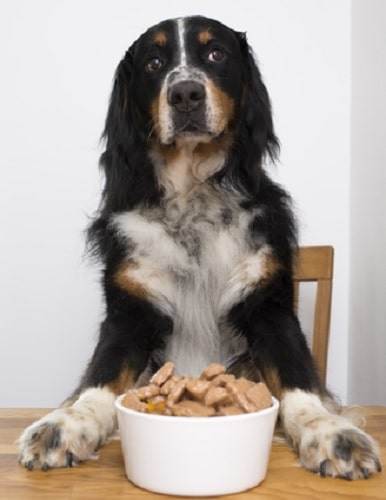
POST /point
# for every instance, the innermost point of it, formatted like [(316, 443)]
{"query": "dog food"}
[(213, 393)]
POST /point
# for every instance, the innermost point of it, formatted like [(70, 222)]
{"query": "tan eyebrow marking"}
[(160, 38), (205, 36)]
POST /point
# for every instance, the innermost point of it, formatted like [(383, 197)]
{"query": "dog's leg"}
[(75, 431), (327, 443)]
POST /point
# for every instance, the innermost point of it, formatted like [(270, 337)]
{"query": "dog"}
[(197, 246)]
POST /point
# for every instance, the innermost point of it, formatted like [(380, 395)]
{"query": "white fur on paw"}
[(332, 446), (67, 436), (327, 443)]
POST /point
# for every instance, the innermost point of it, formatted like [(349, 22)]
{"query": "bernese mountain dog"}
[(197, 245)]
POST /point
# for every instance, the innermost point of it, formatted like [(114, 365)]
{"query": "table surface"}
[(105, 478)]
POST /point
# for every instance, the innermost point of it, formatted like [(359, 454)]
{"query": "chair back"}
[(315, 264)]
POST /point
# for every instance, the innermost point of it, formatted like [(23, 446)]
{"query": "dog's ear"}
[(119, 136), (114, 159), (255, 136), (129, 176), (257, 106), (118, 119), (256, 139)]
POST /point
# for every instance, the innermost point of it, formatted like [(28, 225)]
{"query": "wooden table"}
[(105, 478)]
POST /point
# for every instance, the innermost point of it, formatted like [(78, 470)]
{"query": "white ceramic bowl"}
[(196, 456)]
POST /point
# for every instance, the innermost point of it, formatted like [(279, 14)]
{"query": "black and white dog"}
[(197, 246)]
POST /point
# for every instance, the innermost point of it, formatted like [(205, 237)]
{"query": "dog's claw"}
[(30, 465), (323, 468), (70, 459)]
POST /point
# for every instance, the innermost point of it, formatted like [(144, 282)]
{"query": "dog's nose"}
[(186, 96)]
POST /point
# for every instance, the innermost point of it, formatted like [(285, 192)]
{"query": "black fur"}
[(266, 316), (129, 174)]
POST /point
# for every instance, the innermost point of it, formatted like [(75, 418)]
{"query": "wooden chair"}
[(316, 264)]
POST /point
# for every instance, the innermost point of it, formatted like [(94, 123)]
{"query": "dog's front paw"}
[(332, 447), (61, 439)]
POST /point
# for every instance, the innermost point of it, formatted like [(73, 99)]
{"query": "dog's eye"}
[(154, 64), (216, 55)]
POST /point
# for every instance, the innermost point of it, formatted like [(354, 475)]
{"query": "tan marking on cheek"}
[(222, 108), (124, 382), (205, 36), (160, 115), (160, 38), (154, 111), (123, 279)]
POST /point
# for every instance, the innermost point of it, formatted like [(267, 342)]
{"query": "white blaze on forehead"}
[(217, 111), (181, 39)]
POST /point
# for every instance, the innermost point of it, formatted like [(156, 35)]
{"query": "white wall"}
[(57, 61), (367, 346)]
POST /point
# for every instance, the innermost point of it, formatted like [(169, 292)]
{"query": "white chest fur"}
[(190, 256)]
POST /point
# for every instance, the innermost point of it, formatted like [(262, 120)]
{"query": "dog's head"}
[(189, 81)]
